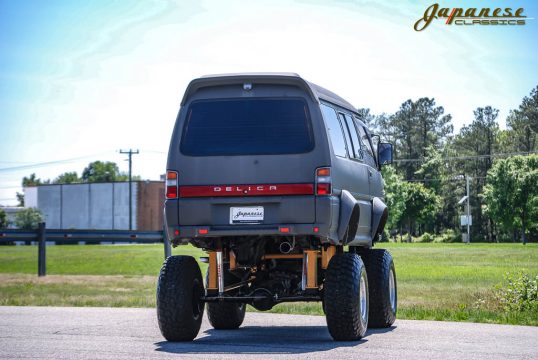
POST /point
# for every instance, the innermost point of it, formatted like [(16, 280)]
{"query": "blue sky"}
[(82, 79)]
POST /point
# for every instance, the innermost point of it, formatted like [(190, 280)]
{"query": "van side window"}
[(354, 137), (372, 143), (366, 146), (335, 130), (346, 134)]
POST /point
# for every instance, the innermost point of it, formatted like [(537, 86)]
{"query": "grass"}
[(435, 281)]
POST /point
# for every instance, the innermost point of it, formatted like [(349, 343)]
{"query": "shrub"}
[(449, 236), (425, 238), (28, 218), (518, 292), (385, 236)]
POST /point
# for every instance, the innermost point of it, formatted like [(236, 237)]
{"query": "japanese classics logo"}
[(472, 16)]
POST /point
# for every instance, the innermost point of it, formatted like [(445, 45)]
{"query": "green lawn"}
[(435, 281)]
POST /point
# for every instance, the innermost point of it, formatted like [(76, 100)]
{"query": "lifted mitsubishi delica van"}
[(279, 181)]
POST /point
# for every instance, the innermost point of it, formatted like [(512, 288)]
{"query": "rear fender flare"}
[(380, 213), (349, 217)]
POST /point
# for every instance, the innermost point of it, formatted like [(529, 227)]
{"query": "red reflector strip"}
[(176, 232), (284, 230), (316, 229), (246, 190), (203, 231)]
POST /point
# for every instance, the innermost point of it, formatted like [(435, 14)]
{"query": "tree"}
[(67, 178), (511, 194), (28, 218), (529, 109), (367, 118), (416, 126), (3, 219), (20, 199), (478, 141), (395, 196), (440, 176), (421, 205), (99, 171), (523, 123), (31, 180)]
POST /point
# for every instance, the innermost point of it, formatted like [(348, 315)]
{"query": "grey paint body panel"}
[(304, 211)]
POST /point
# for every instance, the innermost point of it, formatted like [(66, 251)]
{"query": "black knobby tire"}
[(379, 265), (225, 315), (346, 317), (179, 309)]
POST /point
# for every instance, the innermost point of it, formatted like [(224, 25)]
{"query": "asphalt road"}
[(121, 333)]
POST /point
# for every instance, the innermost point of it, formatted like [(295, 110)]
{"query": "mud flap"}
[(380, 214), (349, 217)]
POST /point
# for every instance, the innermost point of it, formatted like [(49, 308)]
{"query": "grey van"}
[(279, 181)]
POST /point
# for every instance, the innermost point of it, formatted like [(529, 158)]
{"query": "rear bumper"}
[(192, 232), (325, 224)]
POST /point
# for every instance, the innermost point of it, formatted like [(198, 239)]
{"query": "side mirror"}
[(384, 153)]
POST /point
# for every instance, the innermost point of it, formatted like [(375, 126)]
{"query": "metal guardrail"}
[(73, 236)]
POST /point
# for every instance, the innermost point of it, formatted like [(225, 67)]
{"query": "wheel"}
[(383, 289), (179, 288), (225, 315), (346, 297)]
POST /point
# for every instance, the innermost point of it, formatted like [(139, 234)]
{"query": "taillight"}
[(323, 181), (171, 185)]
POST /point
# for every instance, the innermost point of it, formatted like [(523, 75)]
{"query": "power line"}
[(17, 162), (44, 164), (470, 157), (428, 180), (155, 151)]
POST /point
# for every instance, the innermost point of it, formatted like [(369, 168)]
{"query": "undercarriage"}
[(266, 271)]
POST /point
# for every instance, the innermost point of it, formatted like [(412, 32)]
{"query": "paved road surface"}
[(107, 333)]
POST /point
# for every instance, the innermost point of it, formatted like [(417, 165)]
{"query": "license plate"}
[(246, 215)]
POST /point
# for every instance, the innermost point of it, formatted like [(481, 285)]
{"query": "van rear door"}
[(252, 159)]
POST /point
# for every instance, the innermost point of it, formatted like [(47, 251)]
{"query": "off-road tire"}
[(179, 288), (342, 297), (225, 315), (379, 263)]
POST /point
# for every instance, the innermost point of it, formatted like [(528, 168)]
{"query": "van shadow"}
[(267, 340)]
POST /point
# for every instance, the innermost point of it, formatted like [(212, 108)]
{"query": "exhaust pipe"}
[(285, 247)]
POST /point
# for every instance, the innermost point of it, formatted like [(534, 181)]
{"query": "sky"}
[(80, 80)]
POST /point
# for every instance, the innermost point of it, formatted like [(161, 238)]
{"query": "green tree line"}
[(432, 163)]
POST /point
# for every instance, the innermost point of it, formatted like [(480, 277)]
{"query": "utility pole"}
[(130, 152)]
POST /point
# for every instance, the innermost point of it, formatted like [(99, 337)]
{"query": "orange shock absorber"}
[(326, 255), (212, 278), (310, 270), (220, 272), (233, 260)]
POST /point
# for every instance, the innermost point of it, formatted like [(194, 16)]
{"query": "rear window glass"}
[(247, 127), (335, 130)]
